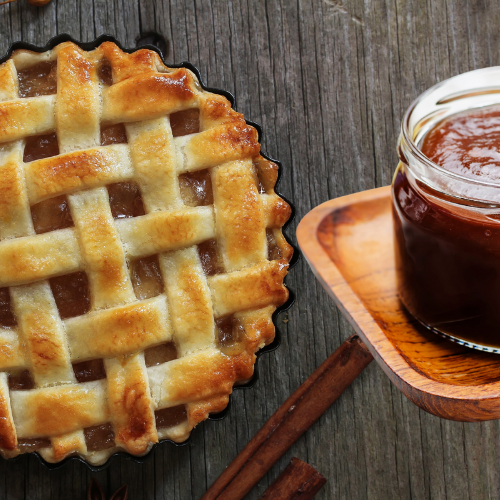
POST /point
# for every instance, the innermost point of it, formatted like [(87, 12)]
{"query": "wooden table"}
[(329, 81)]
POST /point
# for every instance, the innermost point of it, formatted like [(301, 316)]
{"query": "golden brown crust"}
[(127, 65), (102, 250), (148, 97), (165, 231), (277, 209), (13, 200), (68, 444), (119, 331), (130, 404), (26, 118), (55, 411), (189, 300), (75, 171), (24, 260), (78, 104), (8, 435), (220, 145), (11, 354), (254, 287), (42, 332), (199, 411), (241, 223), (8, 83), (239, 214)]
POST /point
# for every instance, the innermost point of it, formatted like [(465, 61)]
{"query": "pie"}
[(141, 252)]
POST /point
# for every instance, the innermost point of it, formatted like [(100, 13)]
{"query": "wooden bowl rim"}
[(412, 383)]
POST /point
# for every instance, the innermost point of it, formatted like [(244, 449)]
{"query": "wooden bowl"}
[(348, 242)]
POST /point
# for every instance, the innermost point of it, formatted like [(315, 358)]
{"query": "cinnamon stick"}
[(299, 481), (95, 492), (291, 420)]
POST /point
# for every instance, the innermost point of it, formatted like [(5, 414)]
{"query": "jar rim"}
[(478, 96)]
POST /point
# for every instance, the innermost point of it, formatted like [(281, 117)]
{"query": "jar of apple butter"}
[(446, 207)]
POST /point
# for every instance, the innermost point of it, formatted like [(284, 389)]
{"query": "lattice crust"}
[(128, 316)]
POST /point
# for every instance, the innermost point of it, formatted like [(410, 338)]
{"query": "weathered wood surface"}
[(329, 80), (294, 417)]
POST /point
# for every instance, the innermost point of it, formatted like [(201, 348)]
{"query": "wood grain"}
[(329, 81), (294, 417)]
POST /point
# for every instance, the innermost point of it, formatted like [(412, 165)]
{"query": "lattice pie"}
[(141, 253)]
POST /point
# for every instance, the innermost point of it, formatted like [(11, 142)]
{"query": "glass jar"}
[(447, 226)]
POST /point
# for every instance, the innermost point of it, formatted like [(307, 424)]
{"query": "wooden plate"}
[(348, 243)]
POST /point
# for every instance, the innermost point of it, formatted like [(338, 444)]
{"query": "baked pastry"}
[(141, 253)]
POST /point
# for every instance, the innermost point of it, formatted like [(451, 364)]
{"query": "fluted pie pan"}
[(141, 251)]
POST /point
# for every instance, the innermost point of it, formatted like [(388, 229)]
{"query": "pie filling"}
[(38, 80), (28, 445), (185, 122), (39, 147), (7, 318), (260, 183), (273, 250), (146, 277), (211, 261), (196, 188), (125, 200), (99, 437), (230, 331), (105, 72), (71, 291), (170, 417), (51, 215), (88, 371), (159, 354), (21, 381), (113, 134), (72, 294)]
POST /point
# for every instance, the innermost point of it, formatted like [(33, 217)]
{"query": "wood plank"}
[(330, 81)]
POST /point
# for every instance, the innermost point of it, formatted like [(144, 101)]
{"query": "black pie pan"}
[(88, 46)]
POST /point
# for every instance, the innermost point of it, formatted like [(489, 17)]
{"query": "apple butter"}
[(447, 248)]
